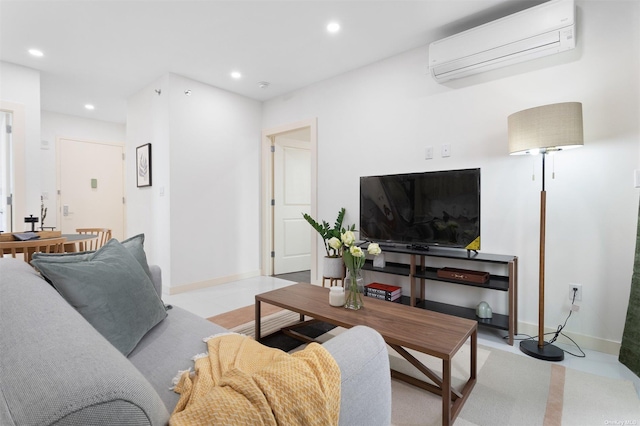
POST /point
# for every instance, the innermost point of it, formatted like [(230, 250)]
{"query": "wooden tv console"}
[(419, 272)]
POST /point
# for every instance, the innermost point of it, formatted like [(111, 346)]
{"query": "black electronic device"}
[(440, 208), (32, 220)]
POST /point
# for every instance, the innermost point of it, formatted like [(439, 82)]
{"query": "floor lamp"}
[(542, 130)]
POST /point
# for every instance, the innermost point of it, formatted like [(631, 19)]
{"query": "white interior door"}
[(6, 172), (292, 195), (12, 167), (91, 186)]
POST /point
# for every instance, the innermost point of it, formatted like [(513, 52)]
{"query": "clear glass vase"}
[(354, 286)]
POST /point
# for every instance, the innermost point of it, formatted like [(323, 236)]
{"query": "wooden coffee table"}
[(402, 327)]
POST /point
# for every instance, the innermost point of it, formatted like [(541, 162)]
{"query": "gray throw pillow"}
[(111, 291), (135, 245)]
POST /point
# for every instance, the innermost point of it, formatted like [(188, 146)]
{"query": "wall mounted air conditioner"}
[(539, 31)]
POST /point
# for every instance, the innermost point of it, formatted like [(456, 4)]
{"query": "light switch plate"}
[(94, 183), (428, 153), (636, 178)]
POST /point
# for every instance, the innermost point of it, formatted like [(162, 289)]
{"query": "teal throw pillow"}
[(111, 291)]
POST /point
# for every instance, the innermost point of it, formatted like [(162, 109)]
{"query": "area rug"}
[(242, 315), (270, 323), (511, 389)]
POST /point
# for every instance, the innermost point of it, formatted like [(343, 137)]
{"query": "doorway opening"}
[(289, 176)]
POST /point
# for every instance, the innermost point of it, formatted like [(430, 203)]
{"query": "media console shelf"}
[(418, 271)]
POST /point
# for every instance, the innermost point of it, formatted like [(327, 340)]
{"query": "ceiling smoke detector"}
[(263, 84)]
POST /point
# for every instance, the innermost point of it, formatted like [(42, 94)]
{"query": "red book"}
[(387, 288)]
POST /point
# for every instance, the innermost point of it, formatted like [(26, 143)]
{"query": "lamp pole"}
[(541, 349), (543, 231)]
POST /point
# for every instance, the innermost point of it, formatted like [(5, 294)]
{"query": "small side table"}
[(333, 281)]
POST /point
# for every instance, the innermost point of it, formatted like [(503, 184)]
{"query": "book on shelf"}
[(385, 288), (384, 297), (383, 291)]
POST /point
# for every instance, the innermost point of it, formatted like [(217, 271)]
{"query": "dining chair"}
[(104, 235), (27, 248)]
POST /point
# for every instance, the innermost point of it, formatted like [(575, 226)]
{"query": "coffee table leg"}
[(446, 392), (257, 321), (474, 354)]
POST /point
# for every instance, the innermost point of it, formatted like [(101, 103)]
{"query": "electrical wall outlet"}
[(578, 292)]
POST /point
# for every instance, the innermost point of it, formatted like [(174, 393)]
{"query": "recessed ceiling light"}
[(89, 107), (333, 27), (36, 52), (236, 75)]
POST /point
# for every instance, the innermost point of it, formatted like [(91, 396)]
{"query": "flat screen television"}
[(419, 210)]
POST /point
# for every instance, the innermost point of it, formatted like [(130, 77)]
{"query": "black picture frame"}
[(143, 165)]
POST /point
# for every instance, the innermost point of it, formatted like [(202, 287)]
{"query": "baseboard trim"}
[(212, 282), (585, 342)]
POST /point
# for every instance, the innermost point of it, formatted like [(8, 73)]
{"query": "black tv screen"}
[(422, 209)]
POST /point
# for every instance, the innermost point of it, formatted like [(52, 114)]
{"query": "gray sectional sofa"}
[(56, 368)]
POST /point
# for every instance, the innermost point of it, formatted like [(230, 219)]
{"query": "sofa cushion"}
[(135, 245), (111, 290), (169, 348)]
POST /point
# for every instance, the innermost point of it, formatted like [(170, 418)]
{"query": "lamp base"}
[(547, 353)]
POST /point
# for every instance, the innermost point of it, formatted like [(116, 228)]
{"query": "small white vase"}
[(332, 267)]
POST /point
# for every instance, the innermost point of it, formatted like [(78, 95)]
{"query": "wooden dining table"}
[(8, 236), (74, 243)]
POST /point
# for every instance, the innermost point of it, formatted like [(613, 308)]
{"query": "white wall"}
[(206, 161), (55, 126), (380, 118), (21, 85), (147, 211)]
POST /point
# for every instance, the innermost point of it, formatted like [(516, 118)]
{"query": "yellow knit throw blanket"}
[(242, 382)]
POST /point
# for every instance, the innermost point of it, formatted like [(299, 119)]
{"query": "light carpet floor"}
[(511, 389)]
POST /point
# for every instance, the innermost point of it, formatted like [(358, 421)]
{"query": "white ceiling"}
[(101, 52)]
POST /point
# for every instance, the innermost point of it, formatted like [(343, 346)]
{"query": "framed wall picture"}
[(143, 165)]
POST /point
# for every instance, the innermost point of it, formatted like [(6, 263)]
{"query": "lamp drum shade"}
[(546, 128)]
